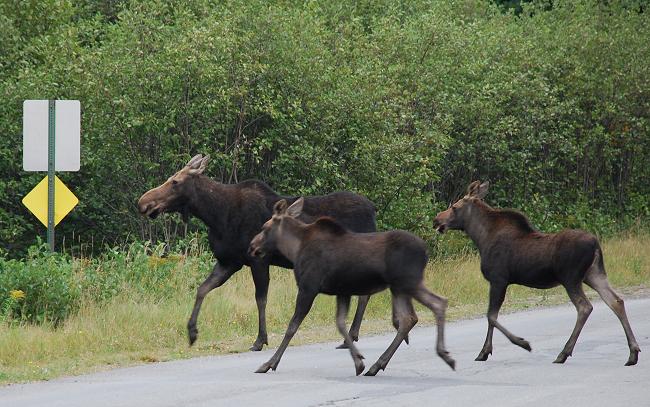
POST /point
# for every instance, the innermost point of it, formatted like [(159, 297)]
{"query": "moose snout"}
[(255, 247), (254, 251), (439, 224), (143, 207)]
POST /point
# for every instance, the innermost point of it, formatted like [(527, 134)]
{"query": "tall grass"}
[(132, 307)]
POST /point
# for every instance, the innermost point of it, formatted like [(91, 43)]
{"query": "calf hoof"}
[(373, 370), (561, 358), (342, 346), (448, 359), (406, 339), (192, 333), (359, 366), (524, 344), (483, 356), (265, 367), (634, 357)]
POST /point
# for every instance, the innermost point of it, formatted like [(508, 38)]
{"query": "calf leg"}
[(396, 321), (356, 322), (438, 305), (342, 305), (304, 302), (584, 308), (261, 279), (220, 274), (497, 295), (407, 320), (597, 279)]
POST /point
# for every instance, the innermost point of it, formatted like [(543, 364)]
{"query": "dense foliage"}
[(403, 101), (54, 285)]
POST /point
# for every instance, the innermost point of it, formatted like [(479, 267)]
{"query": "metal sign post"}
[(51, 137)]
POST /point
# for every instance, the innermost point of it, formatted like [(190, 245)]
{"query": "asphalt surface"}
[(319, 375)]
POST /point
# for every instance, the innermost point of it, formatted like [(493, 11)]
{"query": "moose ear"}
[(296, 208), (482, 190), (200, 165), (193, 163), (280, 207), (472, 188)]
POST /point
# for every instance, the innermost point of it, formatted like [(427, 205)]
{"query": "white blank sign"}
[(67, 134)]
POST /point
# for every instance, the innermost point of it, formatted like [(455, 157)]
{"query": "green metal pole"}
[(50, 173)]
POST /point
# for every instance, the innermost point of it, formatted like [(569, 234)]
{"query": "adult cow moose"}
[(513, 252), (234, 213)]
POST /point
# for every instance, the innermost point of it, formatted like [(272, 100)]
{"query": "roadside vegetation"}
[(405, 102), (131, 306)]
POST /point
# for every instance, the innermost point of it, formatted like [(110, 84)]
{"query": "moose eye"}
[(174, 182)]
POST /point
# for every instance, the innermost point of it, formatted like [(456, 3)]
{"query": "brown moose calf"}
[(329, 259), (513, 252)]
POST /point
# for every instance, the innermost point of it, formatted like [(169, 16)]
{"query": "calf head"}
[(273, 230), (456, 216), (174, 194)]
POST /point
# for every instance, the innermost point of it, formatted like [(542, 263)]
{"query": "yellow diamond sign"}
[(64, 201)]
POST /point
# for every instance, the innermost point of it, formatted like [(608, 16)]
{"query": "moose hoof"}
[(483, 356), (448, 359), (372, 371), (265, 368), (342, 346), (406, 339), (561, 358), (359, 366), (634, 357), (192, 334), (524, 344), (259, 344)]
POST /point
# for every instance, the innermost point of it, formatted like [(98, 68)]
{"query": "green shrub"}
[(47, 281)]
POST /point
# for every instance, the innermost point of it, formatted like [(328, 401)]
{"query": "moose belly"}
[(535, 277), (352, 283)]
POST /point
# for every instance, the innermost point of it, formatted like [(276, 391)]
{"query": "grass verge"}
[(137, 326)]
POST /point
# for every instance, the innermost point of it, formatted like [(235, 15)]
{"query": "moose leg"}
[(220, 274), (304, 302), (342, 306), (497, 295), (356, 322), (598, 281), (407, 320), (584, 308), (438, 305), (260, 274)]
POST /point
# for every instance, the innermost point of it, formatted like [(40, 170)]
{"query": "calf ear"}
[(482, 190), (296, 208), (279, 207)]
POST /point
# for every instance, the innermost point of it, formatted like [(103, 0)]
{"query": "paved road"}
[(319, 375)]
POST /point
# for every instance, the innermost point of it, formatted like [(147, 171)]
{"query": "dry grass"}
[(133, 329)]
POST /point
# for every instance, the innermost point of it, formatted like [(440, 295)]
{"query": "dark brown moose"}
[(329, 259), (513, 252), (234, 214)]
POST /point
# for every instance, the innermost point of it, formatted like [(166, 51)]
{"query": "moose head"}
[(457, 214), (174, 194)]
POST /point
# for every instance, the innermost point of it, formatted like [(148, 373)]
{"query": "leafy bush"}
[(47, 281), (405, 102)]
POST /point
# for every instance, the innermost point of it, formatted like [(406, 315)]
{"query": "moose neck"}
[(209, 202), (290, 240), (477, 224)]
